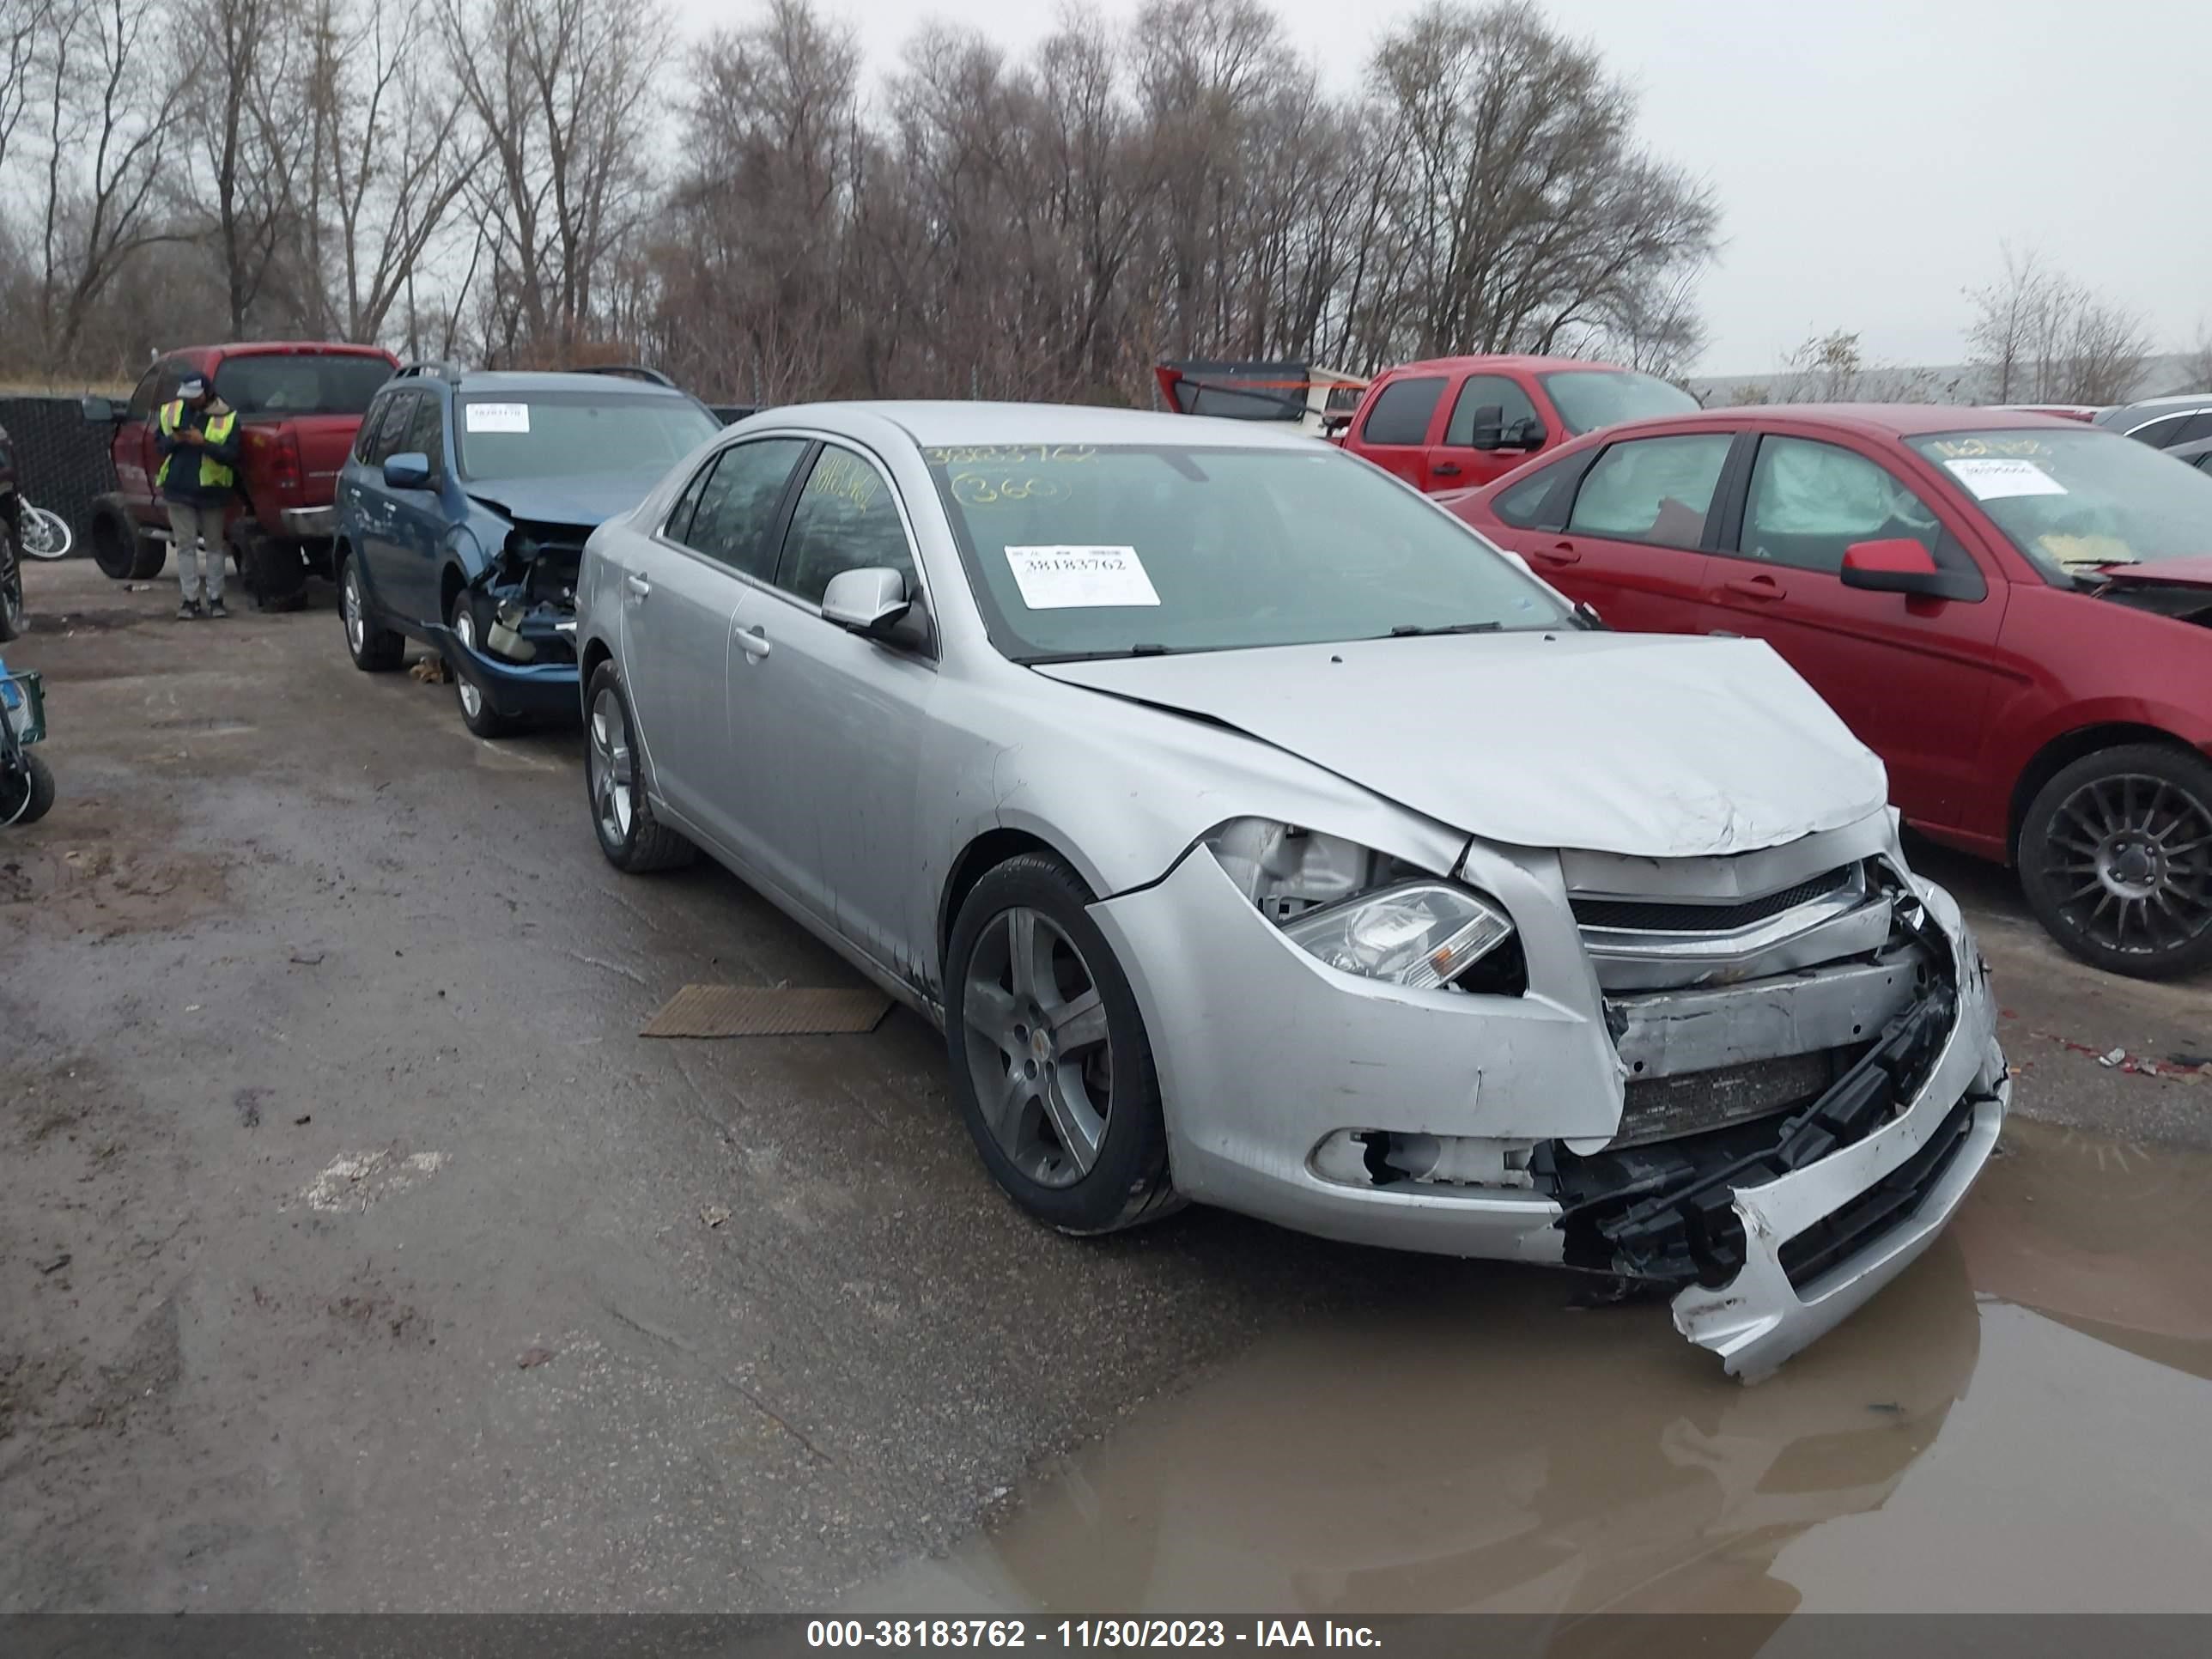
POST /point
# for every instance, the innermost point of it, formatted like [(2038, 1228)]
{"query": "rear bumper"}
[(517, 690), (309, 523)]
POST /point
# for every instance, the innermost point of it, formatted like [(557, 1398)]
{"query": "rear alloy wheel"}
[(1050, 1063), (2115, 859), (634, 841), (375, 649), (477, 711)]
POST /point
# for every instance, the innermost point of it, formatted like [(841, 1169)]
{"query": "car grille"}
[(1663, 1108), (1651, 917)]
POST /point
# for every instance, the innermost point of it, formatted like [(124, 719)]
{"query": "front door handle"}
[(1763, 589), (1721, 634), (1559, 553), (1446, 469), (638, 585), (753, 641)]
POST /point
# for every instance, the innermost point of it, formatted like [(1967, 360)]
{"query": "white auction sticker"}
[(1064, 578), (1990, 478), (499, 417)]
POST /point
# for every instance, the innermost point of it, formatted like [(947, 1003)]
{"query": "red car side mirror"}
[(1897, 566)]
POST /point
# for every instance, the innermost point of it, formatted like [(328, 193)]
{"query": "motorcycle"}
[(26, 784)]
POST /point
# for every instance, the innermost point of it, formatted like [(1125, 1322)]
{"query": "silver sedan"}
[(1261, 836)]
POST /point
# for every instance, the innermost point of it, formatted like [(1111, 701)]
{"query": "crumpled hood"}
[(1652, 746), (585, 500)]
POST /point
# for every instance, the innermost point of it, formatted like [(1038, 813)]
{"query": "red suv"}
[(1454, 423), (2007, 608), (299, 403)]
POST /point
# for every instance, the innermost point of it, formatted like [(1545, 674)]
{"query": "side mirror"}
[(1487, 432), (1586, 613), (409, 469), (1897, 566), (100, 411), (1527, 433), (867, 602)]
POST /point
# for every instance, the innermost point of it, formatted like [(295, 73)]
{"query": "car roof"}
[(515, 380), (1502, 360), (303, 348), (934, 424), (1870, 420), (2183, 401)]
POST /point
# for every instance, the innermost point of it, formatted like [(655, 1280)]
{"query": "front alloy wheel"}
[(1050, 1063), (477, 711), (633, 840), (2115, 859)]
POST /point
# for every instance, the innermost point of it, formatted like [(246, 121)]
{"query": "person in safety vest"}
[(199, 471)]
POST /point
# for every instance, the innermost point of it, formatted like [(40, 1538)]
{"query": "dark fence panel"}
[(61, 463)]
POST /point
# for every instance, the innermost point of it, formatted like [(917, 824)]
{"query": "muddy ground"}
[(355, 1253)]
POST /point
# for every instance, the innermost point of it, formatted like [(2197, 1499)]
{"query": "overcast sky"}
[(1870, 156)]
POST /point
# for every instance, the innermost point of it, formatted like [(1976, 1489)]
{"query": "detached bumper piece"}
[(1667, 1212), (545, 686)]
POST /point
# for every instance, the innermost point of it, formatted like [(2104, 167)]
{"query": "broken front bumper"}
[(517, 689), (1268, 1060)]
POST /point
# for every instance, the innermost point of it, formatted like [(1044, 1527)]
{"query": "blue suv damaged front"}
[(519, 574)]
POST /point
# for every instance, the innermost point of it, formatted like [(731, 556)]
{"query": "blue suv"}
[(463, 511)]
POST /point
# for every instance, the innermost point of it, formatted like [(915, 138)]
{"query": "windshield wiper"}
[(1146, 649), (1414, 630)]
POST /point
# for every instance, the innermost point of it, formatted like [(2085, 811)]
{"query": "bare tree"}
[(392, 152), (22, 24), (2196, 361), (106, 144), (2037, 336), (1823, 368), (252, 137), (563, 92)]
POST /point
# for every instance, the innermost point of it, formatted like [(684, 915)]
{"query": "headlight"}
[(1359, 910)]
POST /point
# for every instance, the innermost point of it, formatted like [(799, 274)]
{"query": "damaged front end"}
[(1804, 1106), (522, 610)]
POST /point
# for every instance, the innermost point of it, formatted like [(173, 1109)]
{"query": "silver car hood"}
[(1652, 746)]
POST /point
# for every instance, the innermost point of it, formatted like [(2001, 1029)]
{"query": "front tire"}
[(477, 711), (1050, 1063), (13, 619), (2115, 859), (374, 648), (38, 782), (634, 841)]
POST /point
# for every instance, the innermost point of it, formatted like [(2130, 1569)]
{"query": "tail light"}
[(287, 477)]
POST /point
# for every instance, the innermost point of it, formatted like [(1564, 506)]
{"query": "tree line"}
[(767, 217)]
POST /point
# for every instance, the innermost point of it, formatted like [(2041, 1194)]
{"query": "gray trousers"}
[(192, 524)]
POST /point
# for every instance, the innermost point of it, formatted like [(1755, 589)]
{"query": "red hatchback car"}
[(2007, 608)]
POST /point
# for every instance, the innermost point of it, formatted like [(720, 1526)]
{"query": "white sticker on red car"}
[(1990, 478), (1066, 578), (499, 417)]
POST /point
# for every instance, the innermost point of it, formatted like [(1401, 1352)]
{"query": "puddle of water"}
[(2023, 1422)]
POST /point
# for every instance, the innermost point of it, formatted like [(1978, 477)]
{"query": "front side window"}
[(2161, 434), (1810, 501), (1652, 490), (2073, 499), (1077, 550), (565, 434), (734, 522), (381, 429), (145, 396), (1401, 411), (426, 431), (1587, 398), (846, 518), (1516, 413)]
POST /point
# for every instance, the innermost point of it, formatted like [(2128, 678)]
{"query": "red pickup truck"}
[(299, 402), (1455, 422)]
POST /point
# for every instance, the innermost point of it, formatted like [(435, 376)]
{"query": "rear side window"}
[(289, 383), (734, 522), (2200, 426), (846, 520), (1515, 409), (1401, 411), (1810, 501), (1537, 503), (1652, 490)]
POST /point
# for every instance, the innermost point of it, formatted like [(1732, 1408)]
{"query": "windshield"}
[(301, 383), (2075, 500), (555, 435), (1587, 398), (1077, 550)]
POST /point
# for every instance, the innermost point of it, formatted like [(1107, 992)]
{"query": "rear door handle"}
[(1721, 634), (638, 585), (1559, 553), (753, 641), (1757, 587)]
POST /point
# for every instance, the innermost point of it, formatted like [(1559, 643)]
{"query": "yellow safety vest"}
[(214, 474)]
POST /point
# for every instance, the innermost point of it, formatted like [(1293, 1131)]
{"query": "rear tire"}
[(374, 648), (2115, 859), (1041, 1028), (14, 809), (13, 620), (120, 551), (633, 840)]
